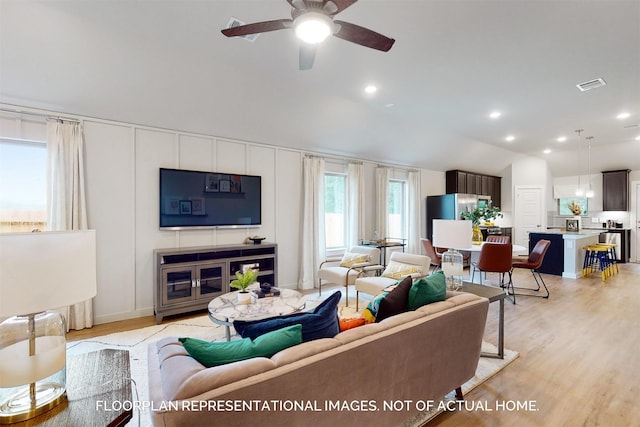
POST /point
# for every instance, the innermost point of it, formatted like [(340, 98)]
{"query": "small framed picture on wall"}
[(185, 207)]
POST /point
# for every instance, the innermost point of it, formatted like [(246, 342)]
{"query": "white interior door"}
[(527, 213)]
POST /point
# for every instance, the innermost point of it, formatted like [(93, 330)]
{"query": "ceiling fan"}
[(313, 21)]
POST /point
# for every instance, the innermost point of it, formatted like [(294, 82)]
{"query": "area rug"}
[(136, 342)]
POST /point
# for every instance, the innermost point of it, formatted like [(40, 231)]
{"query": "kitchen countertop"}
[(574, 235), (602, 230)]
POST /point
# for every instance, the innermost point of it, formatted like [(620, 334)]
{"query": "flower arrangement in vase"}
[(479, 213)]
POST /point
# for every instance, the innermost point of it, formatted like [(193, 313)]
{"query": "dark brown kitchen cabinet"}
[(615, 190), (456, 182), (474, 183)]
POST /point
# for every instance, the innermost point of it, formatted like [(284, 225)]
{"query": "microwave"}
[(484, 201)]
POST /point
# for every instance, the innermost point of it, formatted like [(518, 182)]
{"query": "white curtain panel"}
[(66, 200), (313, 242), (382, 197), (355, 203), (413, 217)]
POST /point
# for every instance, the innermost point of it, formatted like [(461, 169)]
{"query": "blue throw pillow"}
[(219, 353), (322, 322)]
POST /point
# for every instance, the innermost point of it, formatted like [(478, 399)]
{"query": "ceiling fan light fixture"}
[(313, 27)]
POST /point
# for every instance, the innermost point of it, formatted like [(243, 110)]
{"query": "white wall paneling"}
[(154, 149), (287, 212), (111, 210)]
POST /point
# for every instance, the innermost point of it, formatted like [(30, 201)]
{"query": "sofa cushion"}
[(427, 290), (349, 259), (322, 322), (219, 353), (396, 301)]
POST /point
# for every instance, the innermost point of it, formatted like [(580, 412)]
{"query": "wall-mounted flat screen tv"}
[(194, 199)]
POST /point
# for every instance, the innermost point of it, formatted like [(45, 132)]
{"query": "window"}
[(397, 209), (335, 202), (23, 192)]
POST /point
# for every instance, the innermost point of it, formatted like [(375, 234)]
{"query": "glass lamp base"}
[(32, 365), (21, 406), (453, 267)]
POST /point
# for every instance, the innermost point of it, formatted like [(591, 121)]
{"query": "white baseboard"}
[(123, 316)]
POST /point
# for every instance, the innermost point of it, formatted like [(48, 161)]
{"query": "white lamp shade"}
[(452, 233), (40, 271)]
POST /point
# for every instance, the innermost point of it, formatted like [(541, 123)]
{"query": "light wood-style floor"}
[(579, 358)]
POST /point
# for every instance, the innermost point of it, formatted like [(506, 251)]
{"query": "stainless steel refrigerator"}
[(450, 206)]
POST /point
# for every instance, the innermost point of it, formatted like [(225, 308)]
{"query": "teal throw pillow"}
[(219, 353), (427, 290)]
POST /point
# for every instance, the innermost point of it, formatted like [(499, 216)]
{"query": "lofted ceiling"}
[(166, 64)]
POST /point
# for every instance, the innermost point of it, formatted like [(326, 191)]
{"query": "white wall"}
[(122, 163)]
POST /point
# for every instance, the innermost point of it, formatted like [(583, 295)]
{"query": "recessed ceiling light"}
[(546, 151), (390, 105), (495, 114), (510, 138), (622, 115), (371, 89), (638, 138), (561, 139)]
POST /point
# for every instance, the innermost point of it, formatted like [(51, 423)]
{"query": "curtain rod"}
[(44, 116)]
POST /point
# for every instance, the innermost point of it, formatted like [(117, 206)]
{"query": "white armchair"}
[(400, 266), (344, 271)]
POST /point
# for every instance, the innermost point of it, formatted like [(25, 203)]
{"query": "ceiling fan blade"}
[(333, 7), (297, 4), (363, 36), (307, 55), (258, 27)]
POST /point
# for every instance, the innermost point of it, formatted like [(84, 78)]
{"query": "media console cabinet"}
[(187, 279)]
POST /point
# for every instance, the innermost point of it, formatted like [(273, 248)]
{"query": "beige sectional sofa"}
[(416, 356)]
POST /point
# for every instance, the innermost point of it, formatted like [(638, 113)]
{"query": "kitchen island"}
[(565, 246)]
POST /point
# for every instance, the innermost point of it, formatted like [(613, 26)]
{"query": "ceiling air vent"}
[(592, 84), (235, 22)]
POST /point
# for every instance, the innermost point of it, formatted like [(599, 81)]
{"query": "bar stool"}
[(611, 257), (599, 257)]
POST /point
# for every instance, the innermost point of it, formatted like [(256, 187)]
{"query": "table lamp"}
[(39, 271), (452, 234)]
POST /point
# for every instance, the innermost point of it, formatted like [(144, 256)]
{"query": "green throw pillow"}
[(427, 290), (219, 353)]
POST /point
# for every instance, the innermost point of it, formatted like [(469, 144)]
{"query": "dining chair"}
[(430, 251), (496, 258), (533, 263)]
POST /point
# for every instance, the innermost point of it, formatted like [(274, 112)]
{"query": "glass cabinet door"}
[(211, 280), (178, 284)]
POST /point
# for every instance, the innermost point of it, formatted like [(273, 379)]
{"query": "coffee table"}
[(492, 294), (224, 309)]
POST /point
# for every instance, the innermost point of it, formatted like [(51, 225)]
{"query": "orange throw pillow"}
[(350, 323)]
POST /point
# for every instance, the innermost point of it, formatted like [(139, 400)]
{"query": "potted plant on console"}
[(242, 282), (488, 214)]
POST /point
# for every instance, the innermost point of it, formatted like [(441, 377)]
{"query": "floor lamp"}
[(39, 271), (452, 234)]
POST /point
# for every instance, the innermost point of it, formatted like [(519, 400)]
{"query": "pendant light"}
[(579, 192), (589, 193)]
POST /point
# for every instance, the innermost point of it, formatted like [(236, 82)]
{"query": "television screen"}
[(193, 199)]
